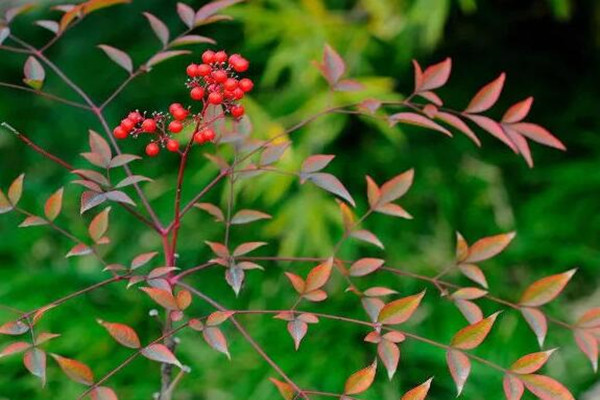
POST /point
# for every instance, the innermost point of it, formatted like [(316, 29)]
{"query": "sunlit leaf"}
[(473, 335), (470, 310), (418, 393), (546, 289), (212, 210), (460, 368), (131, 180), (435, 76), (297, 282), (468, 293), (162, 297), (459, 124), (488, 247), (79, 250), (318, 276), (513, 387), (590, 319), (531, 362), (360, 381), (537, 321), (122, 334), (161, 353), (365, 266), (546, 388), (75, 370), (286, 390), (517, 111), (487, 96), (398, 311), (52, 26)]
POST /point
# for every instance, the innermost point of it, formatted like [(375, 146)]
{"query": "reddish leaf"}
[(361, 380), (396, 187), (546, 388), (432, 97), (99, 225), (492, 127), (75, 370), (315, 295), (591, 319), (212, 210), (122, 334), (418, 75), (183, 299), (94, 5), (546, 289), (469, 293), (537, 322), (379, 291), (348, 217), (246, 248), (235, 278), (316, 163), (365, 266), (35, 362), (332, 185), (161, 353), (348, 85), (418, 393), (462, 248), (513, 387), (332, 66), (5, 205), (247, 216), (412, 118), (162, 297), (119, 197), (372, 306), (90, 199), (436, 75), (79, 250), (142, 259), (191, 39), (470, 310), (215, 338), (33, 220), (474, 273), (210, 9), (159, 28), (14, 348), (186, 13), (318, 276), (389, 353), (285, 389), (487, 96), (218, 317), (398, 311), (488, 247), (273, 152), (34, 73), (103, 393), (44, 337), (373, 192), (394, 210), (538, 134), (517, 111), (118, 56), (297, 330), (473, 335), (54, 205), (15, 190), (588, 344), (367, 236), (531, 362), (460, 368), (520, 143), (459, 124), (297, 282), (165, 55)]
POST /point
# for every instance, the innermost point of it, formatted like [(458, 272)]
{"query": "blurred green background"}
[(549, 49)]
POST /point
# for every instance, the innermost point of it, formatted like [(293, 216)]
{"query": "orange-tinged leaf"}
[(212, 210), (520, 143), (367, 237), (591, 319), (297, 282), (44, 337), (219, 249), (487, 96), (142, 259), (517, 111), (468, 293), (183, 299), (588, 344), (215, 338), (546, 388), (373, 192), (473, 335), (15, 190), (537, 322), (396, 187), (513, 387), (435, 76), (459, 124), (418, 393), (462, 248), (316, 163), (538, 134), (389, 353), (54, 205), (5, 205), (460, 368), (103, 393), (488, 247), (99, 225), (546, 289), (318, 276), (285, 389), (33, 220), (365, 266), (412, 118), (246, 248), (93, 5), (13, 328), (315, 295), (35, 362), (393, 210), (474, 273), (162, 297), (372, 306), (75, 370), (14, 348), (379, 291), (161, 353), (398, 311), (531, 362), (361, 380), (218, 317), (122, 334)]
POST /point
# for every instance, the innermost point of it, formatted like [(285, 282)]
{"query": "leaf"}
[(537, 322), (34, 73), (331, 184), (118, 56), (15, 190), (361, 380), (191, 39), (212, 210), (33, 220), (297, 330), (273, 153), (315, 295), (210, 9), (546, 289), (14, 348), (492, 127), (215, 339), (5, 205), (92, 176), (588, 344), (186, 13), (75, 370), (235, 278), (52, 26), (35, 362), (469, 293), (469, 310), (473, 335), (462, 248), (333, 66), (99, 225), (487, 96), (590, 319), (218, 317), (488, 247), (517, 111), (367, 236), (131, 180), (546, 388), (531, 362), (365, 266), (162, 297), (90, 199), (101, 147), (13, 12), (418, 393), (398, 311), (348, 85), (435, 76), (53, 205), (161, 353), (285, 389), (396, 187), (412, 118), (318, 276), (94, 5), (103, 393), (165, 55), (459, 124), (79, 250), (389, 353), (122, 334), (538, 134), (460, 368), (124, 159), (245, 248), (119, 197), (379, 291), (183, 299), (316, 163), (44, 337), (159, 28), (143, 259), (474, 273), (297, 282), (219, 249), (247, 216), (513, 387)]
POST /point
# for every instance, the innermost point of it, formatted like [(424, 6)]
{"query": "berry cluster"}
[(214, 82)]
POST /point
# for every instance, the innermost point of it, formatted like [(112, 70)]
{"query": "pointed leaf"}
[(517, 111), (54, 205), (210, 9), (411, 118), (297, 330), (297, 282), (365, 266), (459, 124), (14, 348), (318, 276), (488, 247), (436, 75), (474, 273), (142, 259), (246, 248), (487, 96), (546, 289), (332, 66), (398, 311), (75, 370), (469, 293), (99, 225), (79, 250), (462, 248), (186, 13), (33, 220), (159, 28), (492, 127), (361, 380), (15, 190), (118, 56), (418, 393), (470, 310), (285, 389), (161, 353), (331, 184), (588, 344), (537, 322), (235, 278), (35, 361), (538, 134), (212, 210), (162, 297), (103, 393), (164, 56), (367, 237), (191, 39), (591, 319), (215, 338), (389, 353), (316, 163), (396, 187), (546, 388), (513, 387), (531, 362), (247, 216), (122, 334), (460, 368), (472, 336)]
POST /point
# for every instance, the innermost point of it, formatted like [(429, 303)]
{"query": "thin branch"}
[(46, 95)]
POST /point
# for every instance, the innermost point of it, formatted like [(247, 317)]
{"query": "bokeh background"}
[(549, 48)]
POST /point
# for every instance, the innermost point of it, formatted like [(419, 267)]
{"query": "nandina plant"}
[(210, 118)]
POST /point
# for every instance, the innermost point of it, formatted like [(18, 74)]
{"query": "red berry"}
[(230, 84), (220, 56), (120, 133), (174, 107), (135, 117), (192, 70), (241, 65), (208, 135), (219, 76), (238, 94), (149, 125), (175, 126), (152, 149), (234, 58), (203, 69), (208, 57), (228, 94), (237, 111), (199, 138), (215, 98), (246, 85), (180, 114), (127, 124), (197, 93), (172, 145)]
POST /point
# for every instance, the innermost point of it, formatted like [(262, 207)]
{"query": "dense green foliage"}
[(548, 49)]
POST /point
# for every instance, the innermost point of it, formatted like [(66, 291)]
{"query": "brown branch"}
[(46, 95)]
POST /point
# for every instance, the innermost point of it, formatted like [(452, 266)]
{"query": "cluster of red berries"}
[(214, 82)]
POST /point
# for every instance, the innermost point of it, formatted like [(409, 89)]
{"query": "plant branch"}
[(46, 95)]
